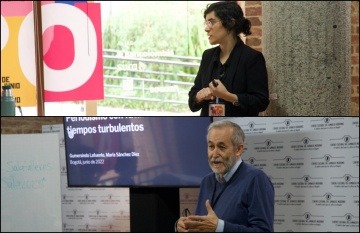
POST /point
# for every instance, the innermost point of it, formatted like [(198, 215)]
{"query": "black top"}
[(244, 75), (219, 69)]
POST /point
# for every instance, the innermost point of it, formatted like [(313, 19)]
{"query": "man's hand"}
[(206, 223), (180, 225)]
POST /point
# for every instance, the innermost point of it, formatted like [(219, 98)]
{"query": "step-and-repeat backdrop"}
[(313, 163), (90, 209)]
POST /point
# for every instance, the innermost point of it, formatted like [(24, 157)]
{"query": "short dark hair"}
[(231, 16)]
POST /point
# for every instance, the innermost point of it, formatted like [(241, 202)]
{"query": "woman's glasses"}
[(210, 23)]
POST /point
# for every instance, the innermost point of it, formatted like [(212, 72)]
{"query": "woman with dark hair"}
[(232, 79)]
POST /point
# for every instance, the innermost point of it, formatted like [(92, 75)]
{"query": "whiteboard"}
[(30, 183)]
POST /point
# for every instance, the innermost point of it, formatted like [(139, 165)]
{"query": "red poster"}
[(72, 49)]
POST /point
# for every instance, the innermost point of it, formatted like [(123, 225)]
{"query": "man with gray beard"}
[(236, 196)]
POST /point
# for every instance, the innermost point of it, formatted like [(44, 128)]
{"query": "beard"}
[(227, 165)]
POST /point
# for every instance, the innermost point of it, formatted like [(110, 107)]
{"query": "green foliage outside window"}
[(151, 27)]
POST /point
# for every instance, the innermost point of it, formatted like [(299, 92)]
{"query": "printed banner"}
[(72, 50), (313, 163)]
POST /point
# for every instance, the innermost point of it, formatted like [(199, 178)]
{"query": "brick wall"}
[(27, 125), (253, 11), (355, 58)]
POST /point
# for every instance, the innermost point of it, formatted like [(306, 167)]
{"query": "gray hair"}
[(238, 136)]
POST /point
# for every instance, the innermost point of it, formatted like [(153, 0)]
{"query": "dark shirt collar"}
[(227, 63)]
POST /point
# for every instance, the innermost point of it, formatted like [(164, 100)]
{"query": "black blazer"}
[(246, 77)]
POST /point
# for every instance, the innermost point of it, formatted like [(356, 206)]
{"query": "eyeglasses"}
[(210, 23)]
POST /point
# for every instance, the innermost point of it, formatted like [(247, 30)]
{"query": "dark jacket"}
[(246, 77)]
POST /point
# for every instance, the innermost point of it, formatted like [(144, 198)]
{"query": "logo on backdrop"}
[(75, 214), (345, 181), (328, 161), (345, 142), (289, 199), (113, 228), (306, 144), (288, 162), (67, 227), (277, 182), (110, 199), (87, 199), (269, 146), (120, 215), (328, 199), (308, 219), (67, 200), (307, 182), (87, 227), (288, 125), (279, 219), (254, 128), (259, 163), (98, 215), (327, 123), (346, 220)]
